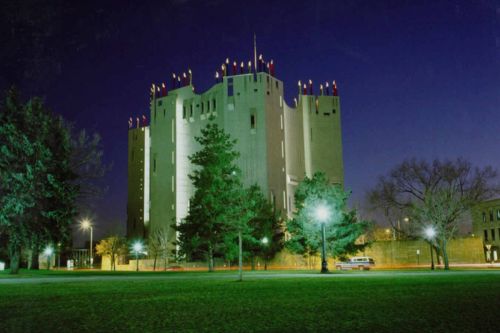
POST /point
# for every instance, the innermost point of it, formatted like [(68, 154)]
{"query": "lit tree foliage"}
[(112, 246), (342, 227), (434, 194)]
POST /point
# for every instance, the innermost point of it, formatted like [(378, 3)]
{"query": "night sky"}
[(416, 78)]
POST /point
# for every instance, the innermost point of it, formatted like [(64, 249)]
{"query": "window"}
[(484, 217), (191, 111), (214, 106), (252, 121), (159, 102), (277, 85), (498, 214), (486, 235), (333, 111), (183, 112), (154, 164), (202, 108), (491, 215), (208, 106), (493, 234), (230, 90)]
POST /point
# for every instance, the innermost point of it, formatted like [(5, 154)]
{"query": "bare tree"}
[(158, 246), (436, 194)]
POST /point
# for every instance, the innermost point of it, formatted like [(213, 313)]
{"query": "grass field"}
[(460, 301)]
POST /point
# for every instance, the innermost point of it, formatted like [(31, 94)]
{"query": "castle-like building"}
[(278, 144)]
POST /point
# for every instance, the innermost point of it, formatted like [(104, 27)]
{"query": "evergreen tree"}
[(267, 235), (217, 185), (342, 226)]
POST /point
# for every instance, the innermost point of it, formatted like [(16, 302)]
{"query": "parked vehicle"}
[(361, 263)]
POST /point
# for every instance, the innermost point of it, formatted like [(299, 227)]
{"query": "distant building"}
[(279, 144), (486, 225)]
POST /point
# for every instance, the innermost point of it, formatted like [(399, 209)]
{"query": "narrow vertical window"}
[(486, 235), (202, 107), (484, 217), (491, 215), (154, 164), (252, 121), (191, 111), (214, 106), (183, 112), (493, 234)]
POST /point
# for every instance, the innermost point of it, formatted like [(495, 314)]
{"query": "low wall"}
[(385, 253), (400, 253)]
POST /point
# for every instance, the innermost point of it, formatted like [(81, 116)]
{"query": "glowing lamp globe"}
[(322, 213)]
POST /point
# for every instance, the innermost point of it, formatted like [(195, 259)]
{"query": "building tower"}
[(278, 144)]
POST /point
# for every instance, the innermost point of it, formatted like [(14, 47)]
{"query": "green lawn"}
[(460, 301)]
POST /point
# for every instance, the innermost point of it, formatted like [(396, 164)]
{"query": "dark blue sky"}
[(416, 78)]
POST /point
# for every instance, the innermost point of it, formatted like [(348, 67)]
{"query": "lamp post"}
[(322, 215), (137, 248), (86, 224), (264, 242), (58, 255), (430, 233), (48, 253)]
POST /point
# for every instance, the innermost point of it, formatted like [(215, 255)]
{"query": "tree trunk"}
[(210, 258), (30, 256), (154, 262), (445, 255), (112, 266), (438, 257), (35, 252), (253, 263), (240, 257), (15, 256)]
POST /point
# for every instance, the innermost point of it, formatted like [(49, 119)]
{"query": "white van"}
[(361, 263)]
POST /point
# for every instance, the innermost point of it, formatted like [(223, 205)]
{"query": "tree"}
[(434, 194), (158, 246), (113, 246), (217, 183), (342, 226), (37, 196), (267, 235), (43, 172)]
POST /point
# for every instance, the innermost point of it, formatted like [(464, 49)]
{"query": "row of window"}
[(493, 234), (205, 107), (491, 215)]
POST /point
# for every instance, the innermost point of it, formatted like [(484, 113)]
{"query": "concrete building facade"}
[(486, 225), (278, 144)]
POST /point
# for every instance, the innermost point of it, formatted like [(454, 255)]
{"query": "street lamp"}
[(322, 215), (137, 248), (430, 233), (48, 253), (265, 242), (87, 225)]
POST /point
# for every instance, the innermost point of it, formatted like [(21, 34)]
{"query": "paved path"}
[(229, 277)]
